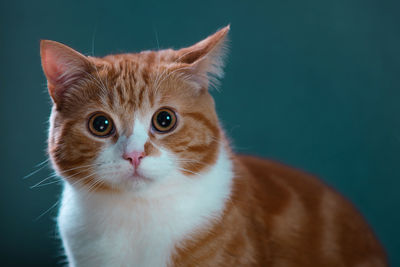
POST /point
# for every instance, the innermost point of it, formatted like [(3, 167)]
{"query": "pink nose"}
[(134, 157)]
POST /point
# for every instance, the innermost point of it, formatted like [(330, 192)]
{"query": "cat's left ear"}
[(203, 63)]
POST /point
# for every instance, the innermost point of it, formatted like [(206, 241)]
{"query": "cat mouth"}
[(136, 176)]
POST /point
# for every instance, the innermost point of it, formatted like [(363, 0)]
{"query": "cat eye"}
[(101, 125), (164, 120)]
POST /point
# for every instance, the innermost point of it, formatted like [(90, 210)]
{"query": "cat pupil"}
[(100, 123), (164, 119)]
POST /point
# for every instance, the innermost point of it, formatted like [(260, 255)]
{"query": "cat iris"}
[(164, 120), (101, 125)]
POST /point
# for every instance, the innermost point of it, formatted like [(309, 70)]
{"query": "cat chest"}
[(118, 238)]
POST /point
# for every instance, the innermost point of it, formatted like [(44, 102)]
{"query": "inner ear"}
[(202, 63), (192, 55), (213, 44)]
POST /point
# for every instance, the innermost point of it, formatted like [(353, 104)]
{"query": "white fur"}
[(139, 137), (142, 225)]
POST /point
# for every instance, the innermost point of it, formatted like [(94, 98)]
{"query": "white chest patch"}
[(124, 230)]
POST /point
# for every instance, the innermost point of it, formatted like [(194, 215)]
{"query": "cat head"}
[(127, 121)]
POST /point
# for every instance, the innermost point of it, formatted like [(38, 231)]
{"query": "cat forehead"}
[(127, 70), (139, 67), (133, 75), (128, 79)]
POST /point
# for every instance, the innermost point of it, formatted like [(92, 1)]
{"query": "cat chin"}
[(126, 184), (137, 184)]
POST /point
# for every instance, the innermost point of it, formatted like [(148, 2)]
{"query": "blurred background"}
[(314, 84)]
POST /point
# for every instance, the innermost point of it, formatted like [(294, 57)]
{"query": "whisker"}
[(194, 162), (49, 183), (46, 211), (58, 201), (93, 39), (35, 171), (156, 34), (88, 167), (43, 162), (195, 173), (42, 181), (82, 166), (95, 185), (82, 179)]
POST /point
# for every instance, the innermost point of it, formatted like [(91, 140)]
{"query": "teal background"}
[(314, 84)]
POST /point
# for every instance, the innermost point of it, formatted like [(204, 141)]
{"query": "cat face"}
[(125, 122)]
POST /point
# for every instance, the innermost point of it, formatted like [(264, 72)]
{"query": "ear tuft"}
[(203, 62), (62, 66)]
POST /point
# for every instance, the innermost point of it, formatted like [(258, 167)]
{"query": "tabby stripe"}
[(140, 100)]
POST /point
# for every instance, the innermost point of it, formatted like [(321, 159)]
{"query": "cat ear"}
[(203, 62), (62, 66)]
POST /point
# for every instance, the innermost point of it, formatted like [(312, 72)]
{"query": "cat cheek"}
[(157, 167), (110, 162)]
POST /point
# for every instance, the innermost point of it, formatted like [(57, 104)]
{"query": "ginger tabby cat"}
[(150, 179)]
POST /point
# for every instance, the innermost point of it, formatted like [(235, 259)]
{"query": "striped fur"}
[(191, 201)]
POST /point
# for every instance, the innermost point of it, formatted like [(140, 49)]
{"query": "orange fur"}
[(276, 216)]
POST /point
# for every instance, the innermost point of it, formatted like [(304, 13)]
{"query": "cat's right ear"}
[(62, 66)]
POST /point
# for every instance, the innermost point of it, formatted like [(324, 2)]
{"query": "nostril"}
[(127, 157), (134, 157)]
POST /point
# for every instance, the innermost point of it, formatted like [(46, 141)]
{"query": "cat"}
[(151, 180)]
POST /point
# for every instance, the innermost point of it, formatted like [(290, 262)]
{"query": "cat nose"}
[(134, 157)]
